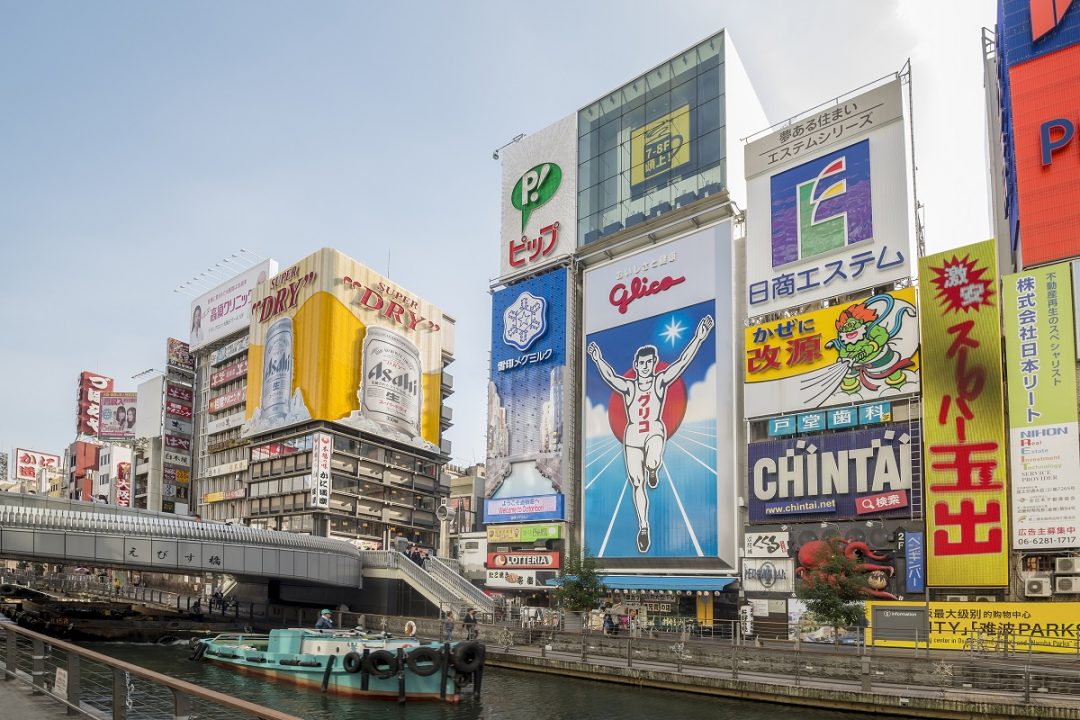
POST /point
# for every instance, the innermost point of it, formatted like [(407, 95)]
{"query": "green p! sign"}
[(535, 188)]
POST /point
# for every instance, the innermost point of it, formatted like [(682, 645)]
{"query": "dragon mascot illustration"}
[(871, 339), (815, 554)]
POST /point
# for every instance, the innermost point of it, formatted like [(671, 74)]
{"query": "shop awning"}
[(662, 582)]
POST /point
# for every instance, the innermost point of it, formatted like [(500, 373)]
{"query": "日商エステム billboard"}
[(963, 419), (526, 398), (844, 353), (826, 203), (1040, 363), (117, 420), (333, 340), (658, 445)]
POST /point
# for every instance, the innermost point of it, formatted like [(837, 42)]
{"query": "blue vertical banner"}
[(525, 393), (915, 562)]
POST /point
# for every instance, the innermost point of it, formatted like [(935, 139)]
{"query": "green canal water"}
[(506, 694)]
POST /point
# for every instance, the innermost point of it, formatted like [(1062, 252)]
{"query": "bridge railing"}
[(469, 593), (95, 685), (393, 560)]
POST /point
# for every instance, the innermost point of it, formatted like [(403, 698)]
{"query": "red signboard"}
[(179, 392), (88, 402), (523, 560), (123, 484), (229, 373), (228, 400), (29, 462), (177, 410), (1046, 130)]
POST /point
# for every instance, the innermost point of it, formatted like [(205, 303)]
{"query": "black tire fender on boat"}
[(382, 664), (468, 656), (425, 655), (352, 662), (197, 653)]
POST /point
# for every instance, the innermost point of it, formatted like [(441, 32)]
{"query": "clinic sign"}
[(846, 475), (1040, 365), (827, 208), (539, 199), (963, 419)]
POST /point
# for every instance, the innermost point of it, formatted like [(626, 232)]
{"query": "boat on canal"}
[(351, 662)]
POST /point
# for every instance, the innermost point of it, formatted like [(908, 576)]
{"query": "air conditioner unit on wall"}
[(1067, 565), (1067, 584), (983, 598), (956, 598), (1037, 587)]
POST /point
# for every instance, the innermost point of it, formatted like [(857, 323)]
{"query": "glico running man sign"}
[(658, 439)]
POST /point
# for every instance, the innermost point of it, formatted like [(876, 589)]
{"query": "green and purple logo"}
[(822, 205), (535, 188)]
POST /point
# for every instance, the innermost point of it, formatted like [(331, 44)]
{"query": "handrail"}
[(460, 586), (393, 560), (183, 691)]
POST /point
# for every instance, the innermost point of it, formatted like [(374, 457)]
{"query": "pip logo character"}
[(535, 188), (822, 205)]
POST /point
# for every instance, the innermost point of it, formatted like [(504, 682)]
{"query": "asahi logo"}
[(280, 363), (403, 381)]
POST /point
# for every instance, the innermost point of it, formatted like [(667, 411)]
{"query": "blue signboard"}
[(858, 474), (524, 509), (525, 396), (811, 422), (915, 562), (780, 426), (875, 413), (1022, 37), (840, 418)]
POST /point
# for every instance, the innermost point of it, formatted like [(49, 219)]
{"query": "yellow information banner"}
[(988, 626), (662, 145), (963, 419)]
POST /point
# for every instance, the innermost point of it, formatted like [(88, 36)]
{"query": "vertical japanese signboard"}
[(964, 419), (321, 450), (526, 399), (88, 406), (1040, 365)]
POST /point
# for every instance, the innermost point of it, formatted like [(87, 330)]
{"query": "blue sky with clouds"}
[(143, 142)]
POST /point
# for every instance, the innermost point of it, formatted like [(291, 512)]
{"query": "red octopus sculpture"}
[(814, 554)]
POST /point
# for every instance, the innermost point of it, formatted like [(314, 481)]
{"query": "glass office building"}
[(655, 144)]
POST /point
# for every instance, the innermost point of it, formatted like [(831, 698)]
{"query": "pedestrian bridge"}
[(70, 532)]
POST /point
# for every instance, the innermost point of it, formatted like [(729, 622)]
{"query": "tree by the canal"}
[(579, 585), (833, 591)]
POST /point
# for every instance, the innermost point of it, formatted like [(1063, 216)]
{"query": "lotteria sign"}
[(533, 561)]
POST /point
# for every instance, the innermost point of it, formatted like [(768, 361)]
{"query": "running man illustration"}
[(645, 435)]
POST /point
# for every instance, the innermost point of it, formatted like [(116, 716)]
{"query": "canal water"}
[(507, 694)]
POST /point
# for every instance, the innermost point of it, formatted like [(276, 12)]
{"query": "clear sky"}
[(142, 142)]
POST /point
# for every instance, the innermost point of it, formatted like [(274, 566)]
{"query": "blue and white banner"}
[(525, 393), (524, 509)]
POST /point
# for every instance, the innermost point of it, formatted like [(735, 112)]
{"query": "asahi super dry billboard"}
[(963, 419), (333, 340)]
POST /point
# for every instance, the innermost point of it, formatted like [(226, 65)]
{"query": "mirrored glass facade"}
[(656, 144)]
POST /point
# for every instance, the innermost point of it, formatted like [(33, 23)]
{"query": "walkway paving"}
[(17, 702)]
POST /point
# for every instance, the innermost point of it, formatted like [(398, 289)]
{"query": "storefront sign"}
[(225, 352), (519, 579), (523, 533), (766, 544), (538, 507), (229, 373), (232, 467), (538, 560), (322, 449), (226, 423), (768, 575), (228, 400)]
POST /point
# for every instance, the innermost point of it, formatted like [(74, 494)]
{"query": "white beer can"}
[(277, 377), (390, 392)]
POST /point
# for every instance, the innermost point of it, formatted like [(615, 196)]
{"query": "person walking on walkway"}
[(448, 627), (469, 623)]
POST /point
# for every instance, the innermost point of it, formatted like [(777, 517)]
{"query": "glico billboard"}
[(827, 210), (332, 340), (659, 385), (526, 397)]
